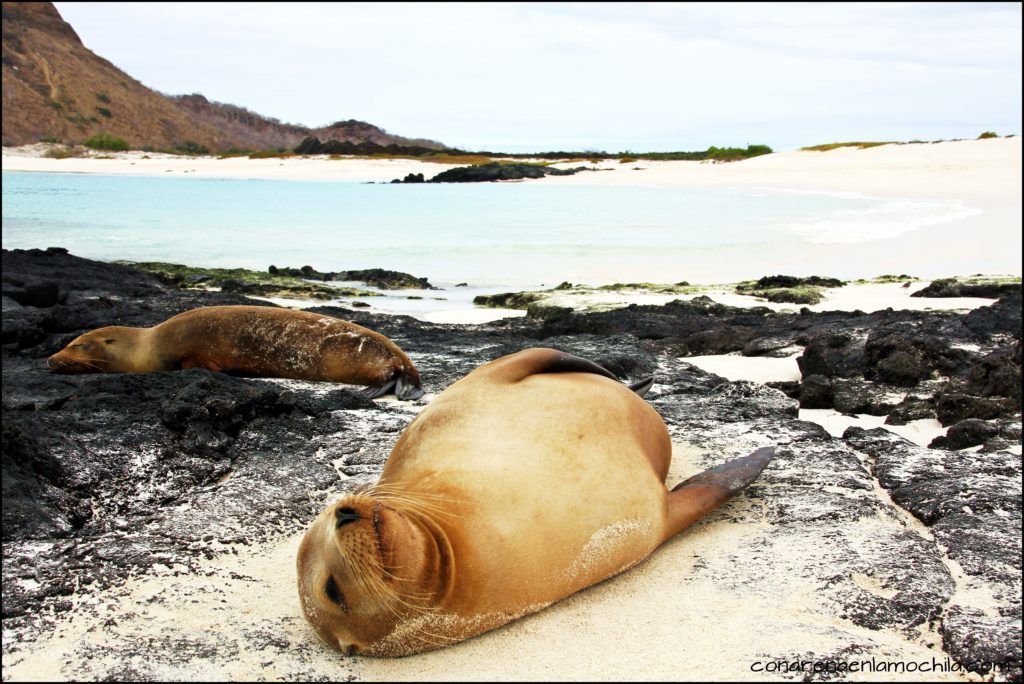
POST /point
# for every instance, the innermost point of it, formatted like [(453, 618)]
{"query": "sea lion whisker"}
[(414, 504), (385, 487)]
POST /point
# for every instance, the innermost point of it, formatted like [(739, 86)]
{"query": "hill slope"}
[(55, 87)]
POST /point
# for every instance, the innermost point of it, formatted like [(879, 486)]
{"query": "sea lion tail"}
[(692, 499)]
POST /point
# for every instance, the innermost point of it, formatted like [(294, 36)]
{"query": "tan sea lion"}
[(534, 476), (250, 340)]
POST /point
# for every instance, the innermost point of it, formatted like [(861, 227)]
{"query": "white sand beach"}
[(978, 180), (975, 169)]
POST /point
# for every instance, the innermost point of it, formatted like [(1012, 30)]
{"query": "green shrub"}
[(104, 112), (102, 97), (988, 134), (191, 147), (832, 146), (62, 152), (105, 141)]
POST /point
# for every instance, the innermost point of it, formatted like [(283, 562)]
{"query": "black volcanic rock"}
[(411, 178), (910, 409), (1002, 317), (784, 281), (997, 374), (832, 355), (815, 392), (493, 171), (376, 277), (966, 433), (850, 395), (953, 407)]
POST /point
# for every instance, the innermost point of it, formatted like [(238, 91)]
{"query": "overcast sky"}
[(586, 76)]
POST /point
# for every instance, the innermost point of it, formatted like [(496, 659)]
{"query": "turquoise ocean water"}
[(492, 236)]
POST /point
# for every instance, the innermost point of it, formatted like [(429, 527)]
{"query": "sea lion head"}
[(104, 350), (368, 563)]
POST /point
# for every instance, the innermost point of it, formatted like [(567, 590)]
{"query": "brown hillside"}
[(56, 88), (53, 86)]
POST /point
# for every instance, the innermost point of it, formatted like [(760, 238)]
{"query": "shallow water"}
[(514, 235)]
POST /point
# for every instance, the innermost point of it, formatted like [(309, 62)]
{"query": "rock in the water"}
[(495, 171)]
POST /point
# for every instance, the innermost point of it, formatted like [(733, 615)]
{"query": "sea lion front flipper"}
[(374, 391), (692, 499)]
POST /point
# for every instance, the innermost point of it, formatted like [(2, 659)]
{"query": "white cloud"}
[(644, 76)]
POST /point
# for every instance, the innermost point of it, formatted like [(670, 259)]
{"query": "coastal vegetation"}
[(244, 281), (313, 145), (887, 278), (987, 287), (191, 147), (832, 146), (105, 141), (64, 152), (864, 145), (657, 288), (788, 289)]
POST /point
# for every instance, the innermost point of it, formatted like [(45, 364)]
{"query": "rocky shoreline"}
[(108, 477)]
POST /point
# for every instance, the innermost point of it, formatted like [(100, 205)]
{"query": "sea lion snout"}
[(343, 515), (60, 363)]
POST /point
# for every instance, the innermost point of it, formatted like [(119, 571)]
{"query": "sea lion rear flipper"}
[(374, 391), (694, 498), (407, 388), (641, 387)]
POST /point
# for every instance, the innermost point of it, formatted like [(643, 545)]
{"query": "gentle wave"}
[(881, 221)]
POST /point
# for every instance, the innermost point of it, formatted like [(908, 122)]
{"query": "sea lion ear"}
[(538, 360)]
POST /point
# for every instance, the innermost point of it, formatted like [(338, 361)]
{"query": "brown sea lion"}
[(250, 340), (534, 476)]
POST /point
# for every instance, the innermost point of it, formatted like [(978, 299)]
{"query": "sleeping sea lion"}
[(536, 475), (250, 340)]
